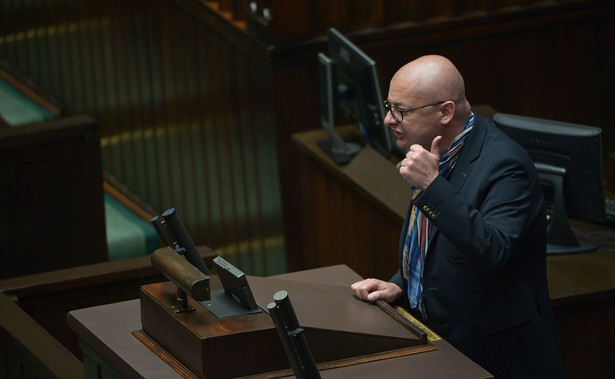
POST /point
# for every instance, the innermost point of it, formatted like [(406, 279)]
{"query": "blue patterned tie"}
[(417, 240)]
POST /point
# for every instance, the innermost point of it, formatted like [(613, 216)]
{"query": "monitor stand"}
[(224, 305), (560, 239), (340, 150)]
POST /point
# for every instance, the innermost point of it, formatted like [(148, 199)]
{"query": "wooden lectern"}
[(340, 329)]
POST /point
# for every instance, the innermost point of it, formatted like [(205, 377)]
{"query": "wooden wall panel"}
[(584, 328), (185, 113), (338, 221), (51, 196)]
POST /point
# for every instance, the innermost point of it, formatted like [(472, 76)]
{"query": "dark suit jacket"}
[(484, 278)]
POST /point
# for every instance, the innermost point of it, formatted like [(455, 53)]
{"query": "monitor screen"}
[(569, 160), (357, 93), (327, 77), (340, 150)]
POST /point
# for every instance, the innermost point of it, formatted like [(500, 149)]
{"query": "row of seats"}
[(127, 233)]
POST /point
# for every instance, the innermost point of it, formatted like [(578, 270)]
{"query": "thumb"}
[(435, 146), (373, 296)]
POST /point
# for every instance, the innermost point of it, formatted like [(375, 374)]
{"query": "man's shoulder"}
[(498, 142), (496, 150)]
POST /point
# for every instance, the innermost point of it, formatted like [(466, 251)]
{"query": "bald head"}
[(433, 78), (432, 89)]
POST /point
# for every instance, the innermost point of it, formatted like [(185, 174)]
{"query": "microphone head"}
[(169, 212)]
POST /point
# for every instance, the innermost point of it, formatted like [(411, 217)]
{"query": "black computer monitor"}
[(340, 150), (569, 160), (353, 86)]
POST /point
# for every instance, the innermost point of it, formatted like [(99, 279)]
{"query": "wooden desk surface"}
[(585, 276), (107, 329)]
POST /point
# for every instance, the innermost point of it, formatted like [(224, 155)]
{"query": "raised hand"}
[(420, 167)]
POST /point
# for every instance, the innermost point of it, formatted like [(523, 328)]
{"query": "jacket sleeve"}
[(397, 279)]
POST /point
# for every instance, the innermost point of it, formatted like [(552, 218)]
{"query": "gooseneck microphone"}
[(292, 337), (183, 239)]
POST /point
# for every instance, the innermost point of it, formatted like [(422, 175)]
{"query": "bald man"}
[(472, 252)]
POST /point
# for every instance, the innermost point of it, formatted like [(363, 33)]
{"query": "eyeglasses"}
[(398, 113)]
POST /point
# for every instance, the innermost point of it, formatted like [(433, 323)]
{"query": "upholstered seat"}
[(128, 235)]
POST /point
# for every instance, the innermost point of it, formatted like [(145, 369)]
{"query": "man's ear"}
[(448, 111)]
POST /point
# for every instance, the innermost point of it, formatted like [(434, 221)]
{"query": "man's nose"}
[(389, 120)]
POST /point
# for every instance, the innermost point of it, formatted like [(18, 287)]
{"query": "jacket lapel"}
[(471, 151)]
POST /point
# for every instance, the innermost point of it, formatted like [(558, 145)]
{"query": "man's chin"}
[(402, 143)]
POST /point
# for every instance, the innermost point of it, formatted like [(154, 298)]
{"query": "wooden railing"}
[(35, 340), (233, 10), (282, 21), (55, 213), (29, 351)]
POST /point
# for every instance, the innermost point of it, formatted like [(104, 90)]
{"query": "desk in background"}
[(582, 290), (348, 214)]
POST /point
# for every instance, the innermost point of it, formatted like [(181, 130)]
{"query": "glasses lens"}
[(397, 115)]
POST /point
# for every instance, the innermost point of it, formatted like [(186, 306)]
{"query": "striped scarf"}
[(417, 240)]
